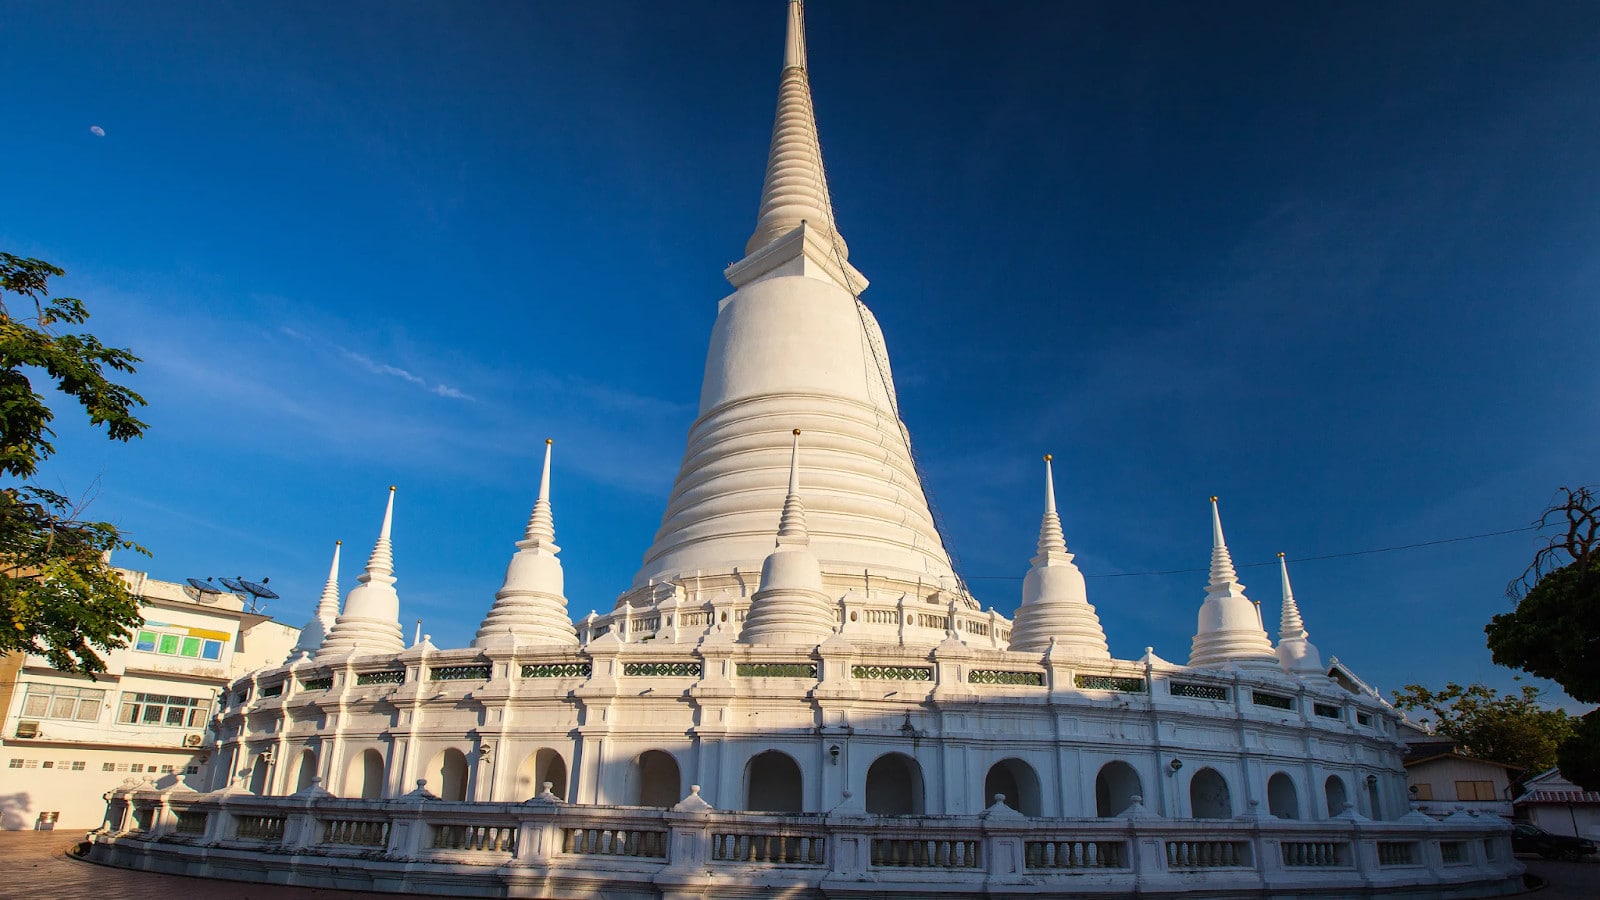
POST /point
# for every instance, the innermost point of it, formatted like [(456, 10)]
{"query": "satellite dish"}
[(204, 587), (233, 584), (258, 590)]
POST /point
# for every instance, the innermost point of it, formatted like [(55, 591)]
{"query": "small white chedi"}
[(797, 694)]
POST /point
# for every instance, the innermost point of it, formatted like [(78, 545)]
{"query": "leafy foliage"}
[(1555, 630), (1509, 728), (58, 596)]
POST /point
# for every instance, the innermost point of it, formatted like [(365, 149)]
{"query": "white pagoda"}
[(797, 696)]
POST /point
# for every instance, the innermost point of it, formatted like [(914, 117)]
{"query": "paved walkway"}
[(35, 866)]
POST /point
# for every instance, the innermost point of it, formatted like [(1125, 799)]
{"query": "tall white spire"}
[(794, 345), (795, 189), (1055, 602), (1295, 651), (370, 622), (531, 605), (327, 612), (790, 607), (1230, 630)]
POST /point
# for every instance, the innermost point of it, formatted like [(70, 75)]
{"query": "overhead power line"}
[(1273, 562)]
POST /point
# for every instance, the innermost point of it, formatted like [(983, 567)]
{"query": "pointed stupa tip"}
[(795, 189), (1222, 571), (1291, 625), (792, 525), (794, 46), (1052, 540), (541, 522), (1049, 485), (328, 606), (381, 563)]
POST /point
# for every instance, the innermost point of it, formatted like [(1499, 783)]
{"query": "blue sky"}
[(1337, 265)]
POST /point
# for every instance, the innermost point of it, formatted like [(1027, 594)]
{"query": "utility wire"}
[(1453, 540)]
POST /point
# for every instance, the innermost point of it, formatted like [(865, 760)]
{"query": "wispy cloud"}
[(377, 367)]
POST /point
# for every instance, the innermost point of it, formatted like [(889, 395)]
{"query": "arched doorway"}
[(447, 774), (308, 770), (1337, 797), (772, 783), (894, 786), (364, 777), (1283, 800), (258, 774), (1208, 796), (1018, 782), (540, 766), (655, 780)]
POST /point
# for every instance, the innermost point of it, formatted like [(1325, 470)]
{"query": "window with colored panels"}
[(47, 701), (168, 645), (146, 641), (211, 650)]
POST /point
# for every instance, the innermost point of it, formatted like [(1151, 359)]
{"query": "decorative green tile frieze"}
[(1117, 683), (1197, 691), (459, 673), (1000, 676), (662, 669), (1327, 710), (316, 684), (556, 670), (1272, 700), (893, 673), (776, 670), (393, 676)]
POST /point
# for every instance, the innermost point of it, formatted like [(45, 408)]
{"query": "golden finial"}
[(797, 431), (1213, 499), (391, 488), (1280, 554), (1048, 457), (549, 441), (338, 543)]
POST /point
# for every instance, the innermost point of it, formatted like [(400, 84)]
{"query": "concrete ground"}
[(35, 866)]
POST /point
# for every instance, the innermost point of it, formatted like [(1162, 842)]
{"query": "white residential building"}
[(68, 739)]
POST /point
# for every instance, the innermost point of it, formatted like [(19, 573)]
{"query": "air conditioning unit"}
[(193, 740), (27, 729)]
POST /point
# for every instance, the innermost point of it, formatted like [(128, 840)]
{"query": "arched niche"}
[(656, 781), (1374, 804), (894, 786), (364, 776), (308, 770), (1208, 796), (773, 783), (1283, 800), (1336, 794), (540, 766), (447, 774), (1018, 782), (1114, 789), (258, 774)]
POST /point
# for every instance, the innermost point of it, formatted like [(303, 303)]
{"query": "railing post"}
[(538, 833)]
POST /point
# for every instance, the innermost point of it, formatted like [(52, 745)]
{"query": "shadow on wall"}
[(16, 812)]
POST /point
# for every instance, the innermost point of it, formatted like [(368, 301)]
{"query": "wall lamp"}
[(833, 754), (1175, 765)]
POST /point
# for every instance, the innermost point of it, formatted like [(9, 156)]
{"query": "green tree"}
[(58, 596), (1508, 728), (1555, 630)]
